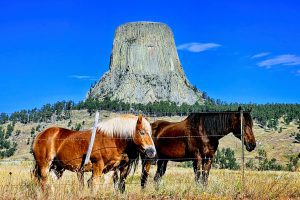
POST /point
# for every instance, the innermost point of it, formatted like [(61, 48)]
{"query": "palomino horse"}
[(62, 149), (195, 139)]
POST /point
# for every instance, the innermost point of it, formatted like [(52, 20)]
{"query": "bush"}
[(6, 148), (77, 127), (250, 164), (225, 159), (293, 163), (9, 130), (38, 128), (265, 164), (18, 132), (69, 123), (3, 118), (32, 132), (187, 164)]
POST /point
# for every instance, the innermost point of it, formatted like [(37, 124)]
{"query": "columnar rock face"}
[(144, 67)]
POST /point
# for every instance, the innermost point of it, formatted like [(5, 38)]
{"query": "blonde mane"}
[(123, 126)]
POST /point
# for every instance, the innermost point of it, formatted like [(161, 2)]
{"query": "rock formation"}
[(144, 67)]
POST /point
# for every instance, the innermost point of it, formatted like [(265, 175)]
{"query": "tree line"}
[(61, 110), (266, 115)]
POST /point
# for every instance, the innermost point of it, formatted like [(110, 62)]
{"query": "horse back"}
[(158, 125), (162, 128), (171, 139), (49, 140)]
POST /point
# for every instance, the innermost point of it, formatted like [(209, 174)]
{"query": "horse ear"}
[(140, 118)]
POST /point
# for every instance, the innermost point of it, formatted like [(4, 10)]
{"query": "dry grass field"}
[(178, 183)]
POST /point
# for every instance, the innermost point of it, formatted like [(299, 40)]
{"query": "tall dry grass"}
[(178, 183)]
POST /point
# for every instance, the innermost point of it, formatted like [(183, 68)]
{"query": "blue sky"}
[(237, 51)]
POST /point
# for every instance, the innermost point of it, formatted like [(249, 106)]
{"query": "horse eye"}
[(142, 132)]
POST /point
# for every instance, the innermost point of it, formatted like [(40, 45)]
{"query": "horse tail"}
[(35, 172)]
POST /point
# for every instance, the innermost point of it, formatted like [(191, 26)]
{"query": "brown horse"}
[(62, 149), (195, 139)]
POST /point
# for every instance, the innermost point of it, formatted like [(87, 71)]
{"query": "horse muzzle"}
[(250, 146), (150, 152)]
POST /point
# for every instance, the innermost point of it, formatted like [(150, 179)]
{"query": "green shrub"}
[(250, 164), (225, 159), (265, 164), (6, 148), (293, 163)]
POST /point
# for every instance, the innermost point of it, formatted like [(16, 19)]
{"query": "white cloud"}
[(197, 47), (83, 77), (260, 55), (287, 59)]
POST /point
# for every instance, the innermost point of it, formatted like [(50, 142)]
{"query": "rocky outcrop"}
[(144, 67)]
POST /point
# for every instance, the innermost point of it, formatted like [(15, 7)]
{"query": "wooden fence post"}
[(243, 154)]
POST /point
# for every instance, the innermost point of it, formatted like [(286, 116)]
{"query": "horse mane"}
[(216, 122), (248, 118), (123, 126)]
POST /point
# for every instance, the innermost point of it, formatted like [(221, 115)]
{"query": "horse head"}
[(249, 139), (142, 137)]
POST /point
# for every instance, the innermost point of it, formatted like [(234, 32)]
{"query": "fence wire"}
[(129, 180)]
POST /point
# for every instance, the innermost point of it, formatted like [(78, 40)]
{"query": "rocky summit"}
[(144, 67)]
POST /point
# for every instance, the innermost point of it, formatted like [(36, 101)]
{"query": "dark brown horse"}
[(61, 149), (195, 139)]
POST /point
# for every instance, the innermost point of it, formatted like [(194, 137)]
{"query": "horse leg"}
[(80, 177), (197, 168), (206, 165), (115, 178), (56, 170), (34, 174), (145, 173), (42, 171), (164, 168), (161, 169), (124, 171), (95, 179)]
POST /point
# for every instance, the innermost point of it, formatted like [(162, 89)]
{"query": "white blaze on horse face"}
[(150, 149), (143, 137)]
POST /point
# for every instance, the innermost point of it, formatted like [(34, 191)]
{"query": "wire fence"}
[(242, 158)]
